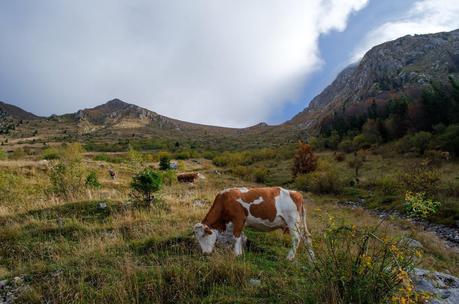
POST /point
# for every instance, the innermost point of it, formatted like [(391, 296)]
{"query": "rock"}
[(3, 284), (18, 280), (102, 206), (255, 282), (444, 287), (411, 243)]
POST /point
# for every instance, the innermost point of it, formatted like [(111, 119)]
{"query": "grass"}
[(75, 252)]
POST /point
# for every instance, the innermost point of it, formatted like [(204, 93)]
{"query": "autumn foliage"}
[(305, 160)]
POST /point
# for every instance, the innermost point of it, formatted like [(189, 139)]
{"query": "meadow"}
[(92, 244)]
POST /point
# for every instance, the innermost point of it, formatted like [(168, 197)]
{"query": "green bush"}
[(360, 266), (168, 177), (418, 205), (449, 139), (388, 185), (68, 180), (325, 180), (260, 174), (109, 158), (92, 181), (346, 145), (420, 141), (3, 155), (420, 179), (143, 186), (164, 161), (50, 153)]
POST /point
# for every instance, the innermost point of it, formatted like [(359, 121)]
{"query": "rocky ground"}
[(449, 234)]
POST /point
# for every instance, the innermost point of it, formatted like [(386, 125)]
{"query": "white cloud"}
[(226, 62), (426, 16)]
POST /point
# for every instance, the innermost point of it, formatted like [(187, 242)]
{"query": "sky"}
[(222, 62)]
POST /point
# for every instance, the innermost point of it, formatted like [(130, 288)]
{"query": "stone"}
[(443, 287), (102, 206), (255, 282), (411, 243)]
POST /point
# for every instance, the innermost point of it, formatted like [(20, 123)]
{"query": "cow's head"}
[(206, 237)]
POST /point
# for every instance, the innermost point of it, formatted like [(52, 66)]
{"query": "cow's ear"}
[(207, 230)]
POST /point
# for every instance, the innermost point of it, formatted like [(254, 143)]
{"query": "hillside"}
[(15, 112), (405, 66)]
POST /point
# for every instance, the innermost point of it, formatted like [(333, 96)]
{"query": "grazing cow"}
[(264, 209), (187, 177), (112, 173)]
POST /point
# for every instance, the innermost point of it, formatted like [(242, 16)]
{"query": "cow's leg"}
[(295, 235), (238, 226)]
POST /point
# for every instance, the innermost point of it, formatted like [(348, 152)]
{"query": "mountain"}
[(11, 111), (405, 66)]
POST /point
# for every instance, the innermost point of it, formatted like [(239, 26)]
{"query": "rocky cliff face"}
[(403, 66)]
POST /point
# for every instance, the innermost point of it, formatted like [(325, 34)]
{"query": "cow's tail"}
[(306, 235)]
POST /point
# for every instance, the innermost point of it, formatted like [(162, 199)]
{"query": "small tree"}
[(92, 181), (356, 163), (144, 184), (305, 160), (164, 161)]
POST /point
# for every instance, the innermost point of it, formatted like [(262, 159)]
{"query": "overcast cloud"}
[(231, 63), (426, 16)]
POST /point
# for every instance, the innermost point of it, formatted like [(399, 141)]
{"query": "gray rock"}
[(102, 206), (411, 243), (444, 287), (255, 282)]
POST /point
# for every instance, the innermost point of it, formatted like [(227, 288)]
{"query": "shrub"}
[(388, 185), (325, 180), (356, 163), (449, 139), (360, 266), (164, 161), (144, 184), (50, 154), (260, 174), (418, 205), (168, 177), (420, 141), (3, 155), (67, 180), (420, 179), (135, 158), (109, 158), (305, 160), (92, 181), (346, 145), (72, 152)]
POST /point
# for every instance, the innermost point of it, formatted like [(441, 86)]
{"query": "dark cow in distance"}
[(187, 177)]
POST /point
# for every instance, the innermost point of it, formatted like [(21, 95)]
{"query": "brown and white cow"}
[(263, 209)]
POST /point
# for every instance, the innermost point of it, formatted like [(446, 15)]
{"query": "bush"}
[(418, 205), (359, 266), (67, 180), (3, 155), (164, 161), (449, 139), (92, 181), (388, 185), (169, 177), (50, 154), (109, 158), (420, 179), (260, 174), (346, 146), (72, 152), (305, 160), (325, 180), (357, 162), (420, 141), (144, 184)]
